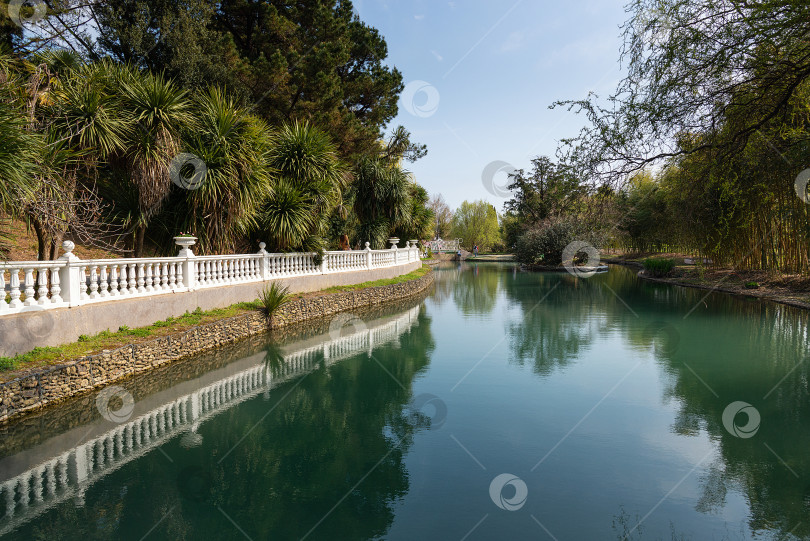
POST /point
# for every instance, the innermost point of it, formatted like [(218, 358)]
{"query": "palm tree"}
[(82, 126), (156, 110), (381, 198), (418, 221), (234, 146), (309, 180), (18, 155)]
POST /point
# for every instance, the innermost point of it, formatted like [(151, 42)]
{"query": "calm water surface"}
[(609, 402)]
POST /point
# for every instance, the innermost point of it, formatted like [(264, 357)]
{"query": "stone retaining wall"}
[(57, 383)]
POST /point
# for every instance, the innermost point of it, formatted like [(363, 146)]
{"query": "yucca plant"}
[(157, 110), (271, 299), (18, 154), (309, 180), (381, 196), (233, 144)]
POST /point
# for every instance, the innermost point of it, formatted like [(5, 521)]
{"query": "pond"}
[(505, 405)]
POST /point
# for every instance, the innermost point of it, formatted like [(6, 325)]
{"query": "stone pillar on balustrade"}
[(189, 267), (368, 256), (70, 277), (265, 261)]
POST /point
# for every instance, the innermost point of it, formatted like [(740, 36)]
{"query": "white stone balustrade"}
[(70, 281)]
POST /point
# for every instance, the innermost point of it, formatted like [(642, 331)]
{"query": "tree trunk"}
[(56, 242), (137, 241), (42, 239)]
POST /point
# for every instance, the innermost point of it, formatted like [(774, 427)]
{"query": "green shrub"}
[(123, 328), (7, 363), (145, 331), (272, 298), (751, 285), (84, 338), (658, 267), (544, 245)]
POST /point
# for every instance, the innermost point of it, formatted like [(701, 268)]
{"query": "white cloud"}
[(419, 17)]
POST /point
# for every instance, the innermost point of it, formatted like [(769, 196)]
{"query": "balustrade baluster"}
[(42, 290), (94, 281), (133, 282), (172, 275), (164, 276), (3, 303), (202, 275), (178, 271), (122, 280), (149, 277), (104, 282), (83, 283), (30, 292), (141, 281)]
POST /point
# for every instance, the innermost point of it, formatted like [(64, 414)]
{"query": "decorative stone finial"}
[(68, 247), (262, 247), (368, 245)]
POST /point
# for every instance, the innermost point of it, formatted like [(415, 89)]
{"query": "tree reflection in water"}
[(275, 465), (744, 350)]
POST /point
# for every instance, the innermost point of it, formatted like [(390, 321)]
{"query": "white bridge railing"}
[(440, 245), (70, 281), (68, 474)]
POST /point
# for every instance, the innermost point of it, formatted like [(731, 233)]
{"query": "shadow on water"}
[(271, 462)]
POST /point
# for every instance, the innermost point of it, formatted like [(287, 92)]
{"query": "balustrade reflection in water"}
[(315, 438)]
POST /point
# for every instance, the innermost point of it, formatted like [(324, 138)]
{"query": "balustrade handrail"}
[(36, 264), (70, 281)]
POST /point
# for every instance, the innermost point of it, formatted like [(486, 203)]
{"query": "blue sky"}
[(480, 75)]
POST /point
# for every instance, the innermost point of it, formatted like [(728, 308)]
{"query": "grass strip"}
[(87, 345)]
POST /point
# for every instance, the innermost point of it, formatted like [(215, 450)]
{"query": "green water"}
[(603, 398)]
